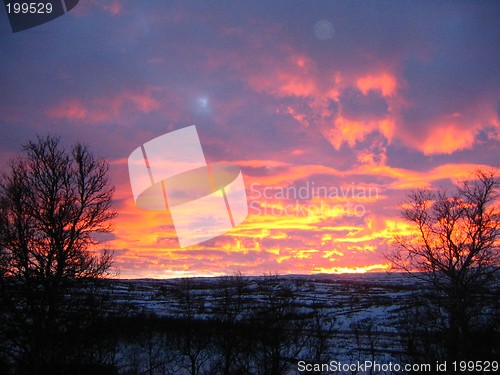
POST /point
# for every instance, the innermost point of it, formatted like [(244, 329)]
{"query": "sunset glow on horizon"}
[(330, 131)]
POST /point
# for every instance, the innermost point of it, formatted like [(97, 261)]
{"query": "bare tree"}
[(193, 340), (320, 330), (53, 204), (454, 248), (230, 298), (279, 326)]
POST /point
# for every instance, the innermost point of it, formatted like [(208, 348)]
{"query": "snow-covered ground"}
[(359, 314), (352, 302)]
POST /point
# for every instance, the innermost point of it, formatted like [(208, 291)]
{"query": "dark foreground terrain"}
[(321, 324)]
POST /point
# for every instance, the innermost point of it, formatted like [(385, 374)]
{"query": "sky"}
[(333, 111)]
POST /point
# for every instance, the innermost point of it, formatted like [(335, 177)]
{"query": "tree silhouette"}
[(454, 249), (53, 203), (193, 341), (230, 299), (279, 327)]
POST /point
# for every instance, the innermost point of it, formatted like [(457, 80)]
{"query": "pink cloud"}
[(106, 109)]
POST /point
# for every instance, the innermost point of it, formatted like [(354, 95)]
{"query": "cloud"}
[(384, 83), (100, 110), (448, 139), (400, 96), (357, 105)]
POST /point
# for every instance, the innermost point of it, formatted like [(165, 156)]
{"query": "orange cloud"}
[(105, 109), (384, 82), (348, 131), (296, 233), (446, 139), (356, 269)]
